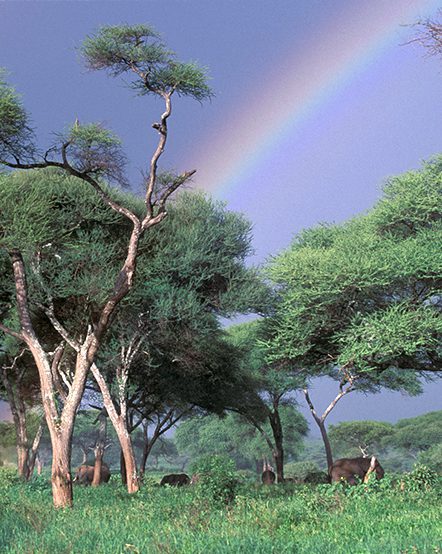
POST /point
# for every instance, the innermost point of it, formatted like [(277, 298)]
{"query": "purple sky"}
[(380, 118)]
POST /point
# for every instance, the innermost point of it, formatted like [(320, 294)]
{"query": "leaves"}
[(16, 135), (137, 49), (366, 294)]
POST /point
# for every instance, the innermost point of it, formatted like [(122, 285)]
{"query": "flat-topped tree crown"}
[(139, 49)]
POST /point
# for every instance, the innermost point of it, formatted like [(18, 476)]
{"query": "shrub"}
[(422, 478), (217, 478), (305, 472)]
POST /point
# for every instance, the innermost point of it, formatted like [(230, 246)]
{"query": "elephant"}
[(268, 477), (350, 468), (175, 480), (85, 474)]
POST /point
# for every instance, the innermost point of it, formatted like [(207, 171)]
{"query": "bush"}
[(422, 478), (432, 458), (217, 478), (305, 472)]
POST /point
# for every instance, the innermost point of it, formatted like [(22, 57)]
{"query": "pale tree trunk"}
[(60, 421), (320, 420), (119, 422), (61, 474)]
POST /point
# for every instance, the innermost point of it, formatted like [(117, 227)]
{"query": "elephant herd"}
[(348, 469)]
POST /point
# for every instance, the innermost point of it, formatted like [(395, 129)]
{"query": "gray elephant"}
[(175, 480), (85, 474), (350, 468)]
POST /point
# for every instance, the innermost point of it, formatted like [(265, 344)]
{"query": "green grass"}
[(291, 519)]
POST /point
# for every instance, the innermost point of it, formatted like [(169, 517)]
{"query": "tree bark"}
[(33, 452), (61, 475), (320, 420), (278, 450), (99, 450), (326, 441), (119, 422), (147, 447), (123, 468)]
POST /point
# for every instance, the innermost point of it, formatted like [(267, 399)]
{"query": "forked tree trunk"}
[(320, 420), (119, 423)]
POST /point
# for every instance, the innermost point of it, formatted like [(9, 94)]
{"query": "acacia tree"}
[(353, 438), (237, 437), (166, 340), (275, 384), (89, 152), (360, 302), (19, 377)]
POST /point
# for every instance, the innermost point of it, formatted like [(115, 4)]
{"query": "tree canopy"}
[(365, 295)]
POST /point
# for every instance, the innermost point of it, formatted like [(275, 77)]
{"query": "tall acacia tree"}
[(89, 153), (361, 302)]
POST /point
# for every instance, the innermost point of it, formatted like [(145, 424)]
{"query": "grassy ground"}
[(291, 518)]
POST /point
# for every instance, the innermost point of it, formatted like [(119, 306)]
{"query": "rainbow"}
[(301, 85)]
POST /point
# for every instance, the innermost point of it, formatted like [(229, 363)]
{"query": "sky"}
[(317, 103)]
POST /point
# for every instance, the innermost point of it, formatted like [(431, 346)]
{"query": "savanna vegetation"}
[(113, 352)]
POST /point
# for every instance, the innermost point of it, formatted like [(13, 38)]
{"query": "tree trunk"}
[(61, 475), (278, 450), (147, 447), (33, 452), (123, 468), (99, 449), (327, 446), (132, 481)]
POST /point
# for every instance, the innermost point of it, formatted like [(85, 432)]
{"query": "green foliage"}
[(422, 478), (7, 434), (217, 478), (400, 330), (232, 435), (432, 458), (349, 437), (16, 135), (419, 433), (138, 50), (300, 470), (301, 519), (365, 295), (95, 151)]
